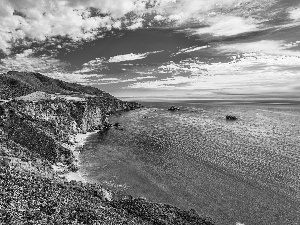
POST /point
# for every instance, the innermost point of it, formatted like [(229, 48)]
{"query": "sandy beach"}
[(79, 140)]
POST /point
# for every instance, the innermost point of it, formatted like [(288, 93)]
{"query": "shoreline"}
[(78, 142)]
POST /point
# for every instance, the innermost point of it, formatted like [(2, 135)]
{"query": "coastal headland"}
[(43, 123)]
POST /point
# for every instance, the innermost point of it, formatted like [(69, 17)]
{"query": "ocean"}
[(245, 171)]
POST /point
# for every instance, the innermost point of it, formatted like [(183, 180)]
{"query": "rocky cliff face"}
[(43, 125), (52, 112)]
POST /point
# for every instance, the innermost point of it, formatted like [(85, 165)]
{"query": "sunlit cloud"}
[(228, 26), (93, 66), (191, 49), (73, 76), (76, 19), (184, 11), (112, 80), (257, 67), (270, 47), (295, 14), (26, 61), (39, 20), (130, 57), (127, 57)]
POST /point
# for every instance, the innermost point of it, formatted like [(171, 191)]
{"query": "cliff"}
[(39, 118)]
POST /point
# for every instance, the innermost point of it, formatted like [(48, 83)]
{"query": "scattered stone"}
[(173, 108), (229, 117)]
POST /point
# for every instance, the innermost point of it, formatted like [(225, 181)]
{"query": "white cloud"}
[(264, 46), (72, 77), (191, 49), (254, 68), (111, 80), (38, 20), (127, 57), (96, 64), (130, 57), (295, 14), (184, 11), (136, 24), (159, 18), (227, 26), (26, 61)]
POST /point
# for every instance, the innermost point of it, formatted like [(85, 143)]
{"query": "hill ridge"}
[(15, 84)]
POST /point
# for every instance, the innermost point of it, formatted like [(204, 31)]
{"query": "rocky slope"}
[(39, 118)]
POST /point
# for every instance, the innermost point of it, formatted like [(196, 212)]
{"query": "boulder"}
[(230, 117), (173, 108)]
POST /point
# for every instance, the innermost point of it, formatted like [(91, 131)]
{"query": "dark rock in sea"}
[(229, 117), (118, 126), (107, 126), (173, 108), (39, 118)]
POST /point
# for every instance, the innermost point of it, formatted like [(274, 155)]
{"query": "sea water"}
[(245, 171)]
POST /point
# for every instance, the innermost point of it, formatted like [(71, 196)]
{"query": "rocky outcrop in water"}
[(173, 108), (230, 117)]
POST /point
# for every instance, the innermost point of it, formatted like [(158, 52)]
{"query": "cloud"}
[(227, 26), (130, 57), (254, 68), (94, 65), (159, 18), (191, 49), (270, 47), (295, 14), (22, 19), (73, 77), (127, 57), (112, 80), (185, 11), (72, 18), (26, 61)]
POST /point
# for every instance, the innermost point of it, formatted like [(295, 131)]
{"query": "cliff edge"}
[(39, 120)]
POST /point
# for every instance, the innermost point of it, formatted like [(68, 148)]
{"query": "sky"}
[(158, 49)]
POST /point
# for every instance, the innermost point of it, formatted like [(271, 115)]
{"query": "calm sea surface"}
[(236, 172)]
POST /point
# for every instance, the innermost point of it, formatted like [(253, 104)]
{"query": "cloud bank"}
[(29, 20), (76, 19), (261, 67)]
